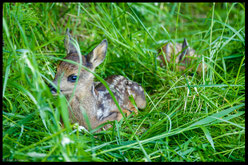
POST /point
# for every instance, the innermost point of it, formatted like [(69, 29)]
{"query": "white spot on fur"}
[(99, 113), (135, 87)]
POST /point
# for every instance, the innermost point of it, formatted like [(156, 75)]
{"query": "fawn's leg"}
[(113, 116), (116, 115)]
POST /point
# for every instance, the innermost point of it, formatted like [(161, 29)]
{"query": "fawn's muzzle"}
[(52, 89)]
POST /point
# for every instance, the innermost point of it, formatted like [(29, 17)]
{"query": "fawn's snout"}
[(52, 89)]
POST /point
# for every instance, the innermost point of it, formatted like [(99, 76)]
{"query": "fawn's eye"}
[(72, 78)]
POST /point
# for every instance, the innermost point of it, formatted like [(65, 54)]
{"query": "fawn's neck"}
[(84, 100)]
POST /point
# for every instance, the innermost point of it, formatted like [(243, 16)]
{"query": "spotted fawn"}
[(93, 98), (183, 55)]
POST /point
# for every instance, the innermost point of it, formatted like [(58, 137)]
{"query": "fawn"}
[(94, 99), (183, 60)]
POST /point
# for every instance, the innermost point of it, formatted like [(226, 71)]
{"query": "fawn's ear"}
[(70, 48), (98, 54), (185, 48)]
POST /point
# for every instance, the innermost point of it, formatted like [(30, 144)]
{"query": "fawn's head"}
[(184, 50), (68, 73)]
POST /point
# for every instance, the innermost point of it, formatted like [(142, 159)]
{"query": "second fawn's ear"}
[(98, 54), (184, 49), (70, 48)]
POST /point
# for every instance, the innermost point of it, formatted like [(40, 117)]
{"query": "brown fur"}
[(183, 61), (95, 100)]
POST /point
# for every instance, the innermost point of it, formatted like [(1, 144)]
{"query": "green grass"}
[(188, 118)]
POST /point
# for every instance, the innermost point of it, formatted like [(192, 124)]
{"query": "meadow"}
[(189, 117)]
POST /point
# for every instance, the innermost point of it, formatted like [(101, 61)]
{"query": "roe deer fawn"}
[(93, 99), (183, 60)]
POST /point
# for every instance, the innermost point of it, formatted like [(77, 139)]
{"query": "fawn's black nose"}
[(52, 89)]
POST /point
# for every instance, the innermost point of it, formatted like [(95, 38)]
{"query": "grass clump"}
[(187, 118)]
